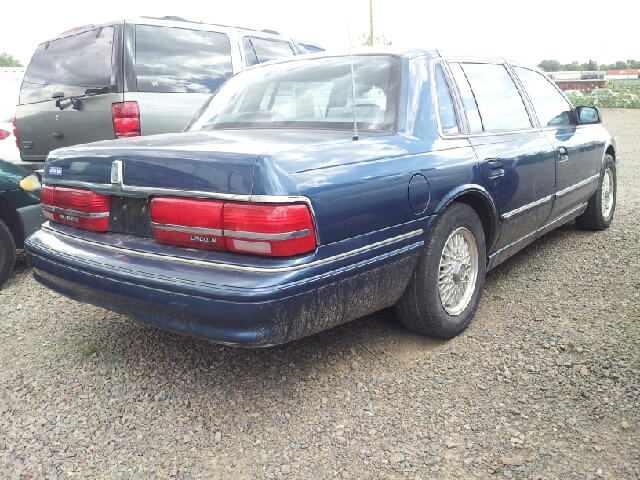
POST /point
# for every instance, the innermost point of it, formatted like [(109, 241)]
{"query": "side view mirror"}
[(589, 115)]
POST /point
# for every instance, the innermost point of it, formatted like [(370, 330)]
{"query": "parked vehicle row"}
[(314, 190)]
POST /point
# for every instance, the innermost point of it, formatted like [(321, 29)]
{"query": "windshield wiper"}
[(75, 99)]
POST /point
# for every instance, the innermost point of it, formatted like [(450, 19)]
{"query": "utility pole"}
[(371, 21)]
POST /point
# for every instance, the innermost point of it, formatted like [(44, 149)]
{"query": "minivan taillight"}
[(15, 131), (126, 119), (4, 134), (258, 228), (77, 207)]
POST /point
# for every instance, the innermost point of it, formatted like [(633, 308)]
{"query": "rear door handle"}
[(563, 154), (496, 167)]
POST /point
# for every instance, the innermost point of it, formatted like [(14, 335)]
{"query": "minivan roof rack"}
[(180, 19)]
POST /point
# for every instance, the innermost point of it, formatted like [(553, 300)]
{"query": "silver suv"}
[(132, 77)]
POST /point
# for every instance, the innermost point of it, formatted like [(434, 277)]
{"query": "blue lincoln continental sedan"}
[(312, 191)]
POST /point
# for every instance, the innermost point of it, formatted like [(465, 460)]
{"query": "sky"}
[(528, 31)]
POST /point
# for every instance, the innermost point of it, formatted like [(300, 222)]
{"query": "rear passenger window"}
[(69, 65), (265, 50), (551, 107), (470, 105), (180, 60), (499, 101), (446, 112)]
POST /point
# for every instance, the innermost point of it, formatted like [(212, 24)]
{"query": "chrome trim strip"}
[(180, 228), (242, 268), (134, 191), (116, 172), (576, 186), (267, 236), (74, 213), (546, 225), (526, 207)]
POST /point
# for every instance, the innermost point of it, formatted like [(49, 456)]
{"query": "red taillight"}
[(76, 207), (15, 131), (4, 134), (263, 229), (126, 119), (266, 229), (188, 222)]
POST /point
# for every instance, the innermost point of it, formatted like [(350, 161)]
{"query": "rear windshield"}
[(69, 65), (180, 60), (308, 93)]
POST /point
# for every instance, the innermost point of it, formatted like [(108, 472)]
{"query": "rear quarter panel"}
[(363, 186)]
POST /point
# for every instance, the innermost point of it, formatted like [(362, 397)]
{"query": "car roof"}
[(171, 21)]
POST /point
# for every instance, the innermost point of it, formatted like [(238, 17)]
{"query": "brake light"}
[(268, 229), (262, 229), (77, 207), (4, 134), (126, 119), (15, 131), (188, 222)]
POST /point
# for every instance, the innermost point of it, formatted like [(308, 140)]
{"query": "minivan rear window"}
[(180, 60), (69, 65)]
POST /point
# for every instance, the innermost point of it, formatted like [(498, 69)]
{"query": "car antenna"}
[(353, 88)]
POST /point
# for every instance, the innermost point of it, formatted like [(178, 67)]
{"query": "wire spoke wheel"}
[(607, 193), (458, 271)]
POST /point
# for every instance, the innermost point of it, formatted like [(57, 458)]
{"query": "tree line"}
[(591, 65), (7, 60)]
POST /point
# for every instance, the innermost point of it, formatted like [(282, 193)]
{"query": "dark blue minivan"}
[(315, 190)]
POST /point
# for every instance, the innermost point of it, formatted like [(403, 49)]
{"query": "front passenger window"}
[(446, 112), (550, 105)]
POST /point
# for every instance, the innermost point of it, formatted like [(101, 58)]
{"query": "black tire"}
[(420, 308), (594, 218), (7, 253)]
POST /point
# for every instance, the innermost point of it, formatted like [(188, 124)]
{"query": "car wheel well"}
[(11, 219), (611, 151), (483, 210)]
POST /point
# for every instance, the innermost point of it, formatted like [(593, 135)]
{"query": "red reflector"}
[(266, 229), (126, 119), (76, 207), (15, 131), (4, 134), (188, 222)]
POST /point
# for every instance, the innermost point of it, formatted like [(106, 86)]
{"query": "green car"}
[(20, 212)]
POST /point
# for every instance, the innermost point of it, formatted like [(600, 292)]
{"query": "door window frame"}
[(458, 108), (574, 122), (458, 100)]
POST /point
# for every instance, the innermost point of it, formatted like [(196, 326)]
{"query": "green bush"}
[(607, 100)]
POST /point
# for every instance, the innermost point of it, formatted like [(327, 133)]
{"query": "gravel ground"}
[(545, 383)]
